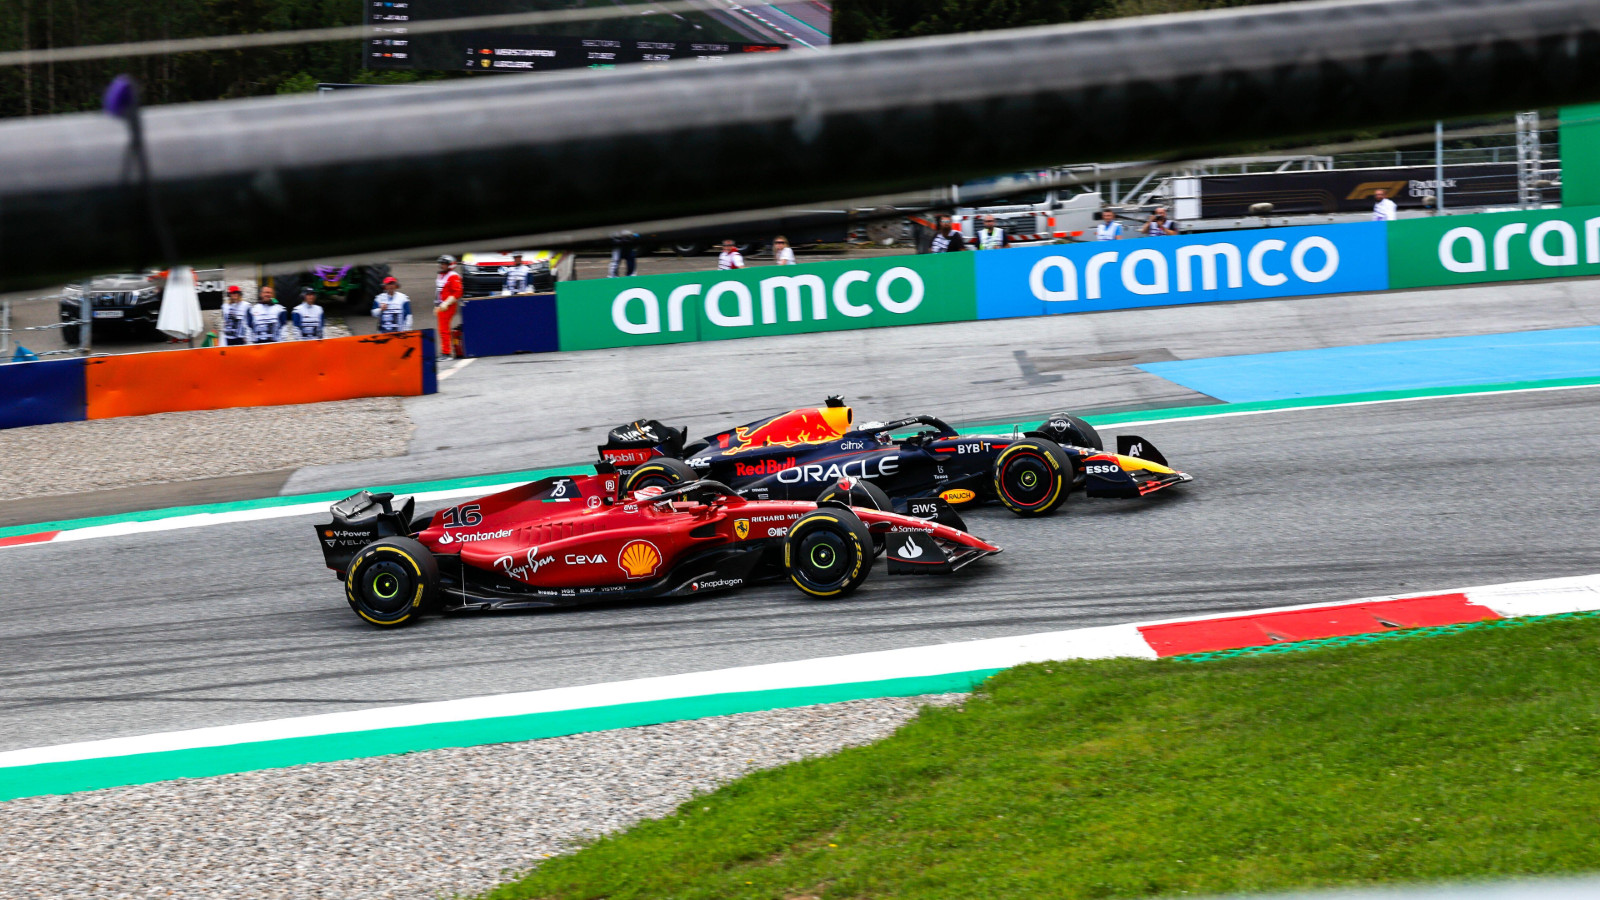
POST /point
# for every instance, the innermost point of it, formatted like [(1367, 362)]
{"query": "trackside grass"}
[(1465, 756)]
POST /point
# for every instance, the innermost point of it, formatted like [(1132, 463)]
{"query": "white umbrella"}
[(180, 306)]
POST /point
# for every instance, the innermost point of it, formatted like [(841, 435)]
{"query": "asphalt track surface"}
[(240, 622)]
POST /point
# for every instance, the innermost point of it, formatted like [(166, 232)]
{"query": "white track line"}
[(1529, 598), (200, 520), (456, 368)]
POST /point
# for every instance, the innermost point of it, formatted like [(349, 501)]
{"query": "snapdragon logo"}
[(1187, 267), (1551, 244), (854, 294)]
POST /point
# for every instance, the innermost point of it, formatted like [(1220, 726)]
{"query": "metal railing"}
[(9, 329)]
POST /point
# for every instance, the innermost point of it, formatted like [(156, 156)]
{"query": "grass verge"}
[(1464, 756)]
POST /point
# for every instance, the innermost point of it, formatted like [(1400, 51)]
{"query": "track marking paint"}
[(549, 713), (456, 368), (280, 507)]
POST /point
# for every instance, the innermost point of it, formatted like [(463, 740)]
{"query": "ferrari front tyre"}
[(828, 552), (392, 582), (1033, 476), (664, 473)]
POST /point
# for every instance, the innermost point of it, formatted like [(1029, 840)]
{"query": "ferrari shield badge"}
[(741, 527)]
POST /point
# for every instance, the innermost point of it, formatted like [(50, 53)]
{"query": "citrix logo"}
[(1148, 272), (638, 310)]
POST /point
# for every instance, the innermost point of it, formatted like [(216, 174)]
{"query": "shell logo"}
[(639, 559), (957, 495)]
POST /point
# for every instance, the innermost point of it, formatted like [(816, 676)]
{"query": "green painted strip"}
[(117, 771), (1378, 637), (1168, 413), (1218, 409)]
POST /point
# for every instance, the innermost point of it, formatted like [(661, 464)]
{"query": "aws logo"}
[(639, 559)]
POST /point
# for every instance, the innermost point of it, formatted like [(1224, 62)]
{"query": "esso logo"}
[(1102, 469)]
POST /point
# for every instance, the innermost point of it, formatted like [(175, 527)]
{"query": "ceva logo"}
[(1551, 243), (731, 304)]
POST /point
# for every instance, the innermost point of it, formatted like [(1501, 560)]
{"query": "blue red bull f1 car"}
[(919, 465)]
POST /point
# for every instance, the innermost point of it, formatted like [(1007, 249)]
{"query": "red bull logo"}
[(764, 467), (801, 426)]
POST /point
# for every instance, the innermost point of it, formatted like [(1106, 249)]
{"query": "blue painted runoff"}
[(1402, 365)]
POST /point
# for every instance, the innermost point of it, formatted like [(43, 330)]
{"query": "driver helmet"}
[(447, 259)]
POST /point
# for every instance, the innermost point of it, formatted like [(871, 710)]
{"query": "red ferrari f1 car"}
[(577, 539)]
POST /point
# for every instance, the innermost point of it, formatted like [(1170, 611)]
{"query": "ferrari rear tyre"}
[(392, 582), (1032, 477), (828, 552), (860, 493), (663, 473)]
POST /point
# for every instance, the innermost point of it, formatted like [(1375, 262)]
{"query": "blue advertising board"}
[(1166, 271), (42, 393), (501, 326)]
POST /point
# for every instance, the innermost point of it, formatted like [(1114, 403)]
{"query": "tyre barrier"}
[(293, 372)]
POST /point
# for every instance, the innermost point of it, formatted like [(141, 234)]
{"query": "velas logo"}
[(639, 559), (853, 294)]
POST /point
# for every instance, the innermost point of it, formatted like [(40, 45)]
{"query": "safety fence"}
[(100, 387)]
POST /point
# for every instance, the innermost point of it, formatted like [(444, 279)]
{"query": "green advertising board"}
[(1580, 155), (751, 302), (1510, 246)]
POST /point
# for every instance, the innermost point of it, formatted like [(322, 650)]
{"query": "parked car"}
[(483, 274), (128, 303)]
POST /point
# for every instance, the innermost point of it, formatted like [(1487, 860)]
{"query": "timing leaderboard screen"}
[(716, 32)]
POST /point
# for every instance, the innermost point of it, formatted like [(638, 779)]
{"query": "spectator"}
[(235, 318), (267, 318), (946, 239), (1384, 210), (991, 237), (922, 232), (391, 308), (518, 276), (1109, 228), (782, 252), (624, 253), (309, 322), (730, 258), (447, 296), (1157, 224)]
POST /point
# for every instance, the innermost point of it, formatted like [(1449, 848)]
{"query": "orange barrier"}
[(379, 365)]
